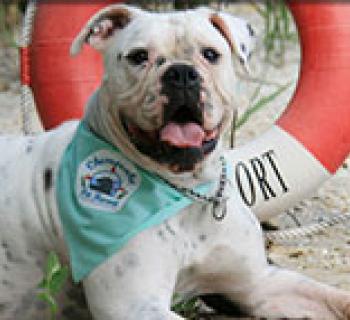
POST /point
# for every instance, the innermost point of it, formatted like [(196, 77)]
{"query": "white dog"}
[(138, 195)]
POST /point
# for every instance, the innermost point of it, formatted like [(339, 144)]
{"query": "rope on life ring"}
[(281, 236), (26, 92)]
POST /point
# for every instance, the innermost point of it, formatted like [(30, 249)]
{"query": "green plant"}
[(257, 106), (54, 278), (278, 29), (10, 15), (189, 309)]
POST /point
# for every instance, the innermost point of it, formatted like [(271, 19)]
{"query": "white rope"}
[(27, 104), (304, 231)]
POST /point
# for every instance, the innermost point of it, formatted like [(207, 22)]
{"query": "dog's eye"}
[(211, 55), (138, 56)]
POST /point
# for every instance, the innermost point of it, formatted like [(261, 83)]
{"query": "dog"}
[(151, 140)]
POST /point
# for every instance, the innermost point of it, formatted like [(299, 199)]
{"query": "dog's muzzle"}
[(182, 140), (183, 115)]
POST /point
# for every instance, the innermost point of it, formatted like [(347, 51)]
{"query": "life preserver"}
[(59, 82), (306, 145), (312, 138)]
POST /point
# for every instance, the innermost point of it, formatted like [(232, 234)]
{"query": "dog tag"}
[(220, 209)]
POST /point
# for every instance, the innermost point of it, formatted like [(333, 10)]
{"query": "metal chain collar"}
[(218, 201)]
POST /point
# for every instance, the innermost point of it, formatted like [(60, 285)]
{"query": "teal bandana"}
[(104, 200)]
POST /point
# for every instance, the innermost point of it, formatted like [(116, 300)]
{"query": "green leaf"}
[(261, 103), (58, 280), (43, 284), (52, 266), (50, 300), (186, 308)]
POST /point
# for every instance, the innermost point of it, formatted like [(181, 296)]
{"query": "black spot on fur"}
[(161, 235), (119, 272), (4, 244), (47, 179), (11, 258), (39, 264), (9, 255), (203, 237), (7, 201), (6, 283), (170, 229), (131, 260), (251, 30), (29, 148)]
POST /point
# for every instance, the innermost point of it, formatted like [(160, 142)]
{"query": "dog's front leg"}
[(136, 283), (282, 293), (112, 295), (267, 291)]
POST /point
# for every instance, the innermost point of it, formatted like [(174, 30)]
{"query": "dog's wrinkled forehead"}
[(175, 36), (128, 27)]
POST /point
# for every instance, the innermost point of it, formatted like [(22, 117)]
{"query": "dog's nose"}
[(181, 76)]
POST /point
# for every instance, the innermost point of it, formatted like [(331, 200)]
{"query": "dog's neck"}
[(104, 122)]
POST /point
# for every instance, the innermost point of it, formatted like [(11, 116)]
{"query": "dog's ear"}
[(238, 33), (102, 26)]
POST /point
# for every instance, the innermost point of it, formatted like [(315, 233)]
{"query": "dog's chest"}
[(201, 234)]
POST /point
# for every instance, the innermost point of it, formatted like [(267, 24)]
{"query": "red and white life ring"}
[(312, 138), (61, 85), (284, 165)]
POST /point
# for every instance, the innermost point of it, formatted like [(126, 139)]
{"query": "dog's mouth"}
[(189, 135), (181, 142)]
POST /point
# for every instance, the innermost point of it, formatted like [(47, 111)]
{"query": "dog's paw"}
[(347, 309), (338, 303)]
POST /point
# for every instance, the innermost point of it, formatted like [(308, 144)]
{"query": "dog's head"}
[(169, 78)]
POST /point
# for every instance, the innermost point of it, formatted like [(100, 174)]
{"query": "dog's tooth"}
[(202, 96), (211, 134)]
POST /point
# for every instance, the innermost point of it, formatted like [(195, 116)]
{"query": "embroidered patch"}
[(106, 180)]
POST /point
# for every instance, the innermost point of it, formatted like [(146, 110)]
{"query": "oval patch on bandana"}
[(106, 180)]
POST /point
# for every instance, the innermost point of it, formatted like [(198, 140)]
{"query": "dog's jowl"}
[(137, 196)]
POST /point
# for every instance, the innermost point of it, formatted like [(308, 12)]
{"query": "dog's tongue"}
[(183, 135)]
